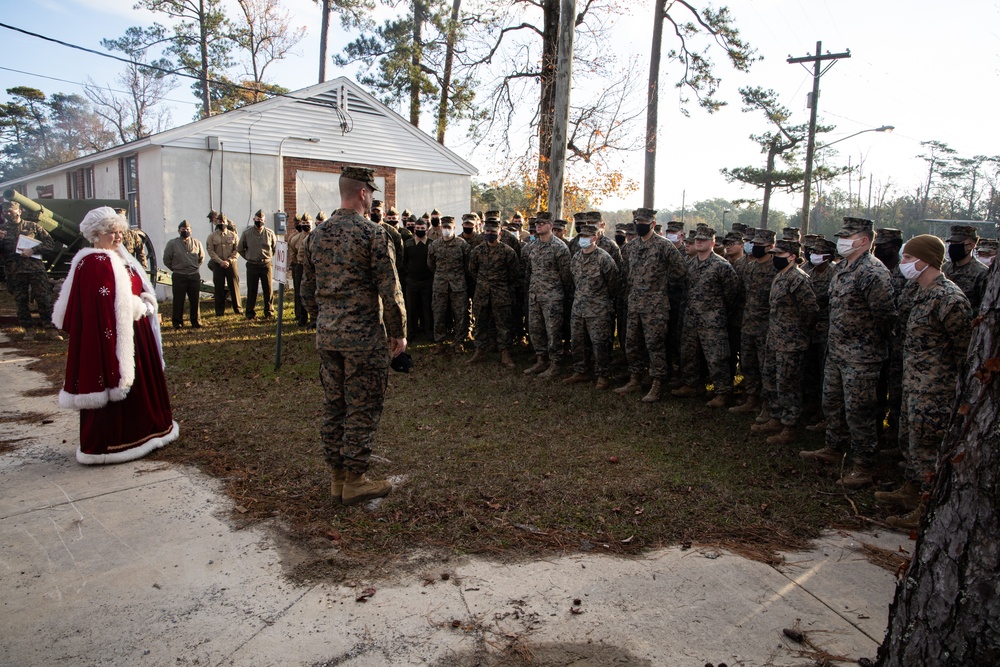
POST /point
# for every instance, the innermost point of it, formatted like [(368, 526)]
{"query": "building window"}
[(132, 189), (44, 191)]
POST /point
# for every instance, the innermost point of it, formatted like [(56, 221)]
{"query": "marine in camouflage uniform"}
[(596, 278), (548, 280), (495, 268), (712, 291), (132, 242), (938, 329), (862, 311), (820, 268), (963, 268), (793, 311), (448, 258), (26, 275), (755, 282), (676, 294), (888, 243), (351, 289), (652, 266)]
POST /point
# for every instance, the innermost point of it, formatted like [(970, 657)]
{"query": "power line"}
[(78, 83)]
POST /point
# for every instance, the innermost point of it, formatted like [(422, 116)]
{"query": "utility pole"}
[(818, 71), (324, 33), (560, 123)]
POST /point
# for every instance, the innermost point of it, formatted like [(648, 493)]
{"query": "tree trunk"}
[(415, 61), (768, 183), (449, 59), (560, 124), (547, 99), (653, 105), (324, 34), (206, 96), (947, 609), (927, 190)]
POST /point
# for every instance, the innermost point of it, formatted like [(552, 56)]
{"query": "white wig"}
[(101, 220)]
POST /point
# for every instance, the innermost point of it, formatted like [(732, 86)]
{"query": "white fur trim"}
[(138, 308), (130, 454), (92, 401)]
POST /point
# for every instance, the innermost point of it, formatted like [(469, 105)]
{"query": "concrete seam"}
[(824, 603), (266, 624), (96, 495)]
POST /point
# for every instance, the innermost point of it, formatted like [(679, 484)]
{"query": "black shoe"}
[(196, 326), (178, 326)]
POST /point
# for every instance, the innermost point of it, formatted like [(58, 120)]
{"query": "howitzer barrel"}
[(62, 229)]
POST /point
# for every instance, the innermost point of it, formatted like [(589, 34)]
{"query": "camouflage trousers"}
[(443, 300), (545, 322), (783, 384), (895, 392), (647, 335), (714, 344), (621, 318), (24, 286), (599, 332), (850, 404), (354, 386), (493, 323), (924, 420), (752, 351)]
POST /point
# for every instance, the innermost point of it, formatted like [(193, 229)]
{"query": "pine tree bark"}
[(324, 35), (415, 62), (547, 99), (947, 608), (449, 60), (653, 105)]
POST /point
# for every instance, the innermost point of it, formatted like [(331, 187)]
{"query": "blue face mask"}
[(585, 242), (748, 247), (532, 237)]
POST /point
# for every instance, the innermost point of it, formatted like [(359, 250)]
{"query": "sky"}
[(929, 72)]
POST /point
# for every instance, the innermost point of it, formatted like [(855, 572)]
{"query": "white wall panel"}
[(422, 191)]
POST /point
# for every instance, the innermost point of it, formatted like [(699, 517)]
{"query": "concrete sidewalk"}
[(135, 564)]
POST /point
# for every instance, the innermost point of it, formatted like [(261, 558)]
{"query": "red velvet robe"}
[(114, 368)]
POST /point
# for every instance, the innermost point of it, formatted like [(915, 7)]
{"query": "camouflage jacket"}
[(132, 242), (496, 271), (820, 282), (350, 286), (712, 291), (937, 339), (546, 270), (396, 241), (756, 283), (604, 243), (513, 241), (596, 279), (862, 311), (793, 310), (651, 268), (474, 241), (449, 260), (13, 261), (971, 278)]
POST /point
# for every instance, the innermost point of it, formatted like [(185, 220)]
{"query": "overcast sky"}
[(929, 70)]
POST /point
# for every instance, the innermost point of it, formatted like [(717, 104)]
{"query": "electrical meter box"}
[(280, 221)]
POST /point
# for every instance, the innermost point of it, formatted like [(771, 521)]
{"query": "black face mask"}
[(219, 227), (410, 227), (435, 222), (420, 233), (642, 228), (779, 262), (491, 237), (467, 230), (957, 252), (759, 251), (185, 234), (620, 239), (885, 253), (375, 216), (258, 223)]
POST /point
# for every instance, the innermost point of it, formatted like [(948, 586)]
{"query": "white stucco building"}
[(282, 154)]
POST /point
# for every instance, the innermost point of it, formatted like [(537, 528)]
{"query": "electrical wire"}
[(83, 85)]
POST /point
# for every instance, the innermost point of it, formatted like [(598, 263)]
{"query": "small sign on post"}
[(281, 275)]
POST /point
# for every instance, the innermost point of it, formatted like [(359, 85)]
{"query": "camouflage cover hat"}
[(704, 233), (492, 225), (491, 214), (733, 237), (690, 237), (809, 238), (559, 224), (763, 237), (435, 212), (392, 211), (990, 245), (888, 235), (595, 216), (824, 246), (786, 245), (963, 233), (630, 228), (364, 175), (738, 227), (658, 228), (854, 226), (543, 215), (588, 229), (675, 226), (470, 216), (580, 216), (620, 226), (790, 233), (644, 214), (10, 205), (448, 220)]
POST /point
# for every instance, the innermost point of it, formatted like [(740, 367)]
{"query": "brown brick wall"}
[(293, 165)]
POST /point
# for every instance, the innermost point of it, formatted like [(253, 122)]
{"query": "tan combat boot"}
[(29, 334), (654, 392), (602, 384), (52, 334), (750, 405), (772, 425), (906, 496), (818, 427), (576, 378), (685, 391), (823, 455), (910, 521), (337, 484), (506, 359), (764, 415), (551, 372), (634, 384), (720, 401), (788, 436), (540, 364), (479, 355), (858, 478), (358, 488)]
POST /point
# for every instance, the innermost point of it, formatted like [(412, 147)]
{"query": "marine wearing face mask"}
[(963, 268)]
